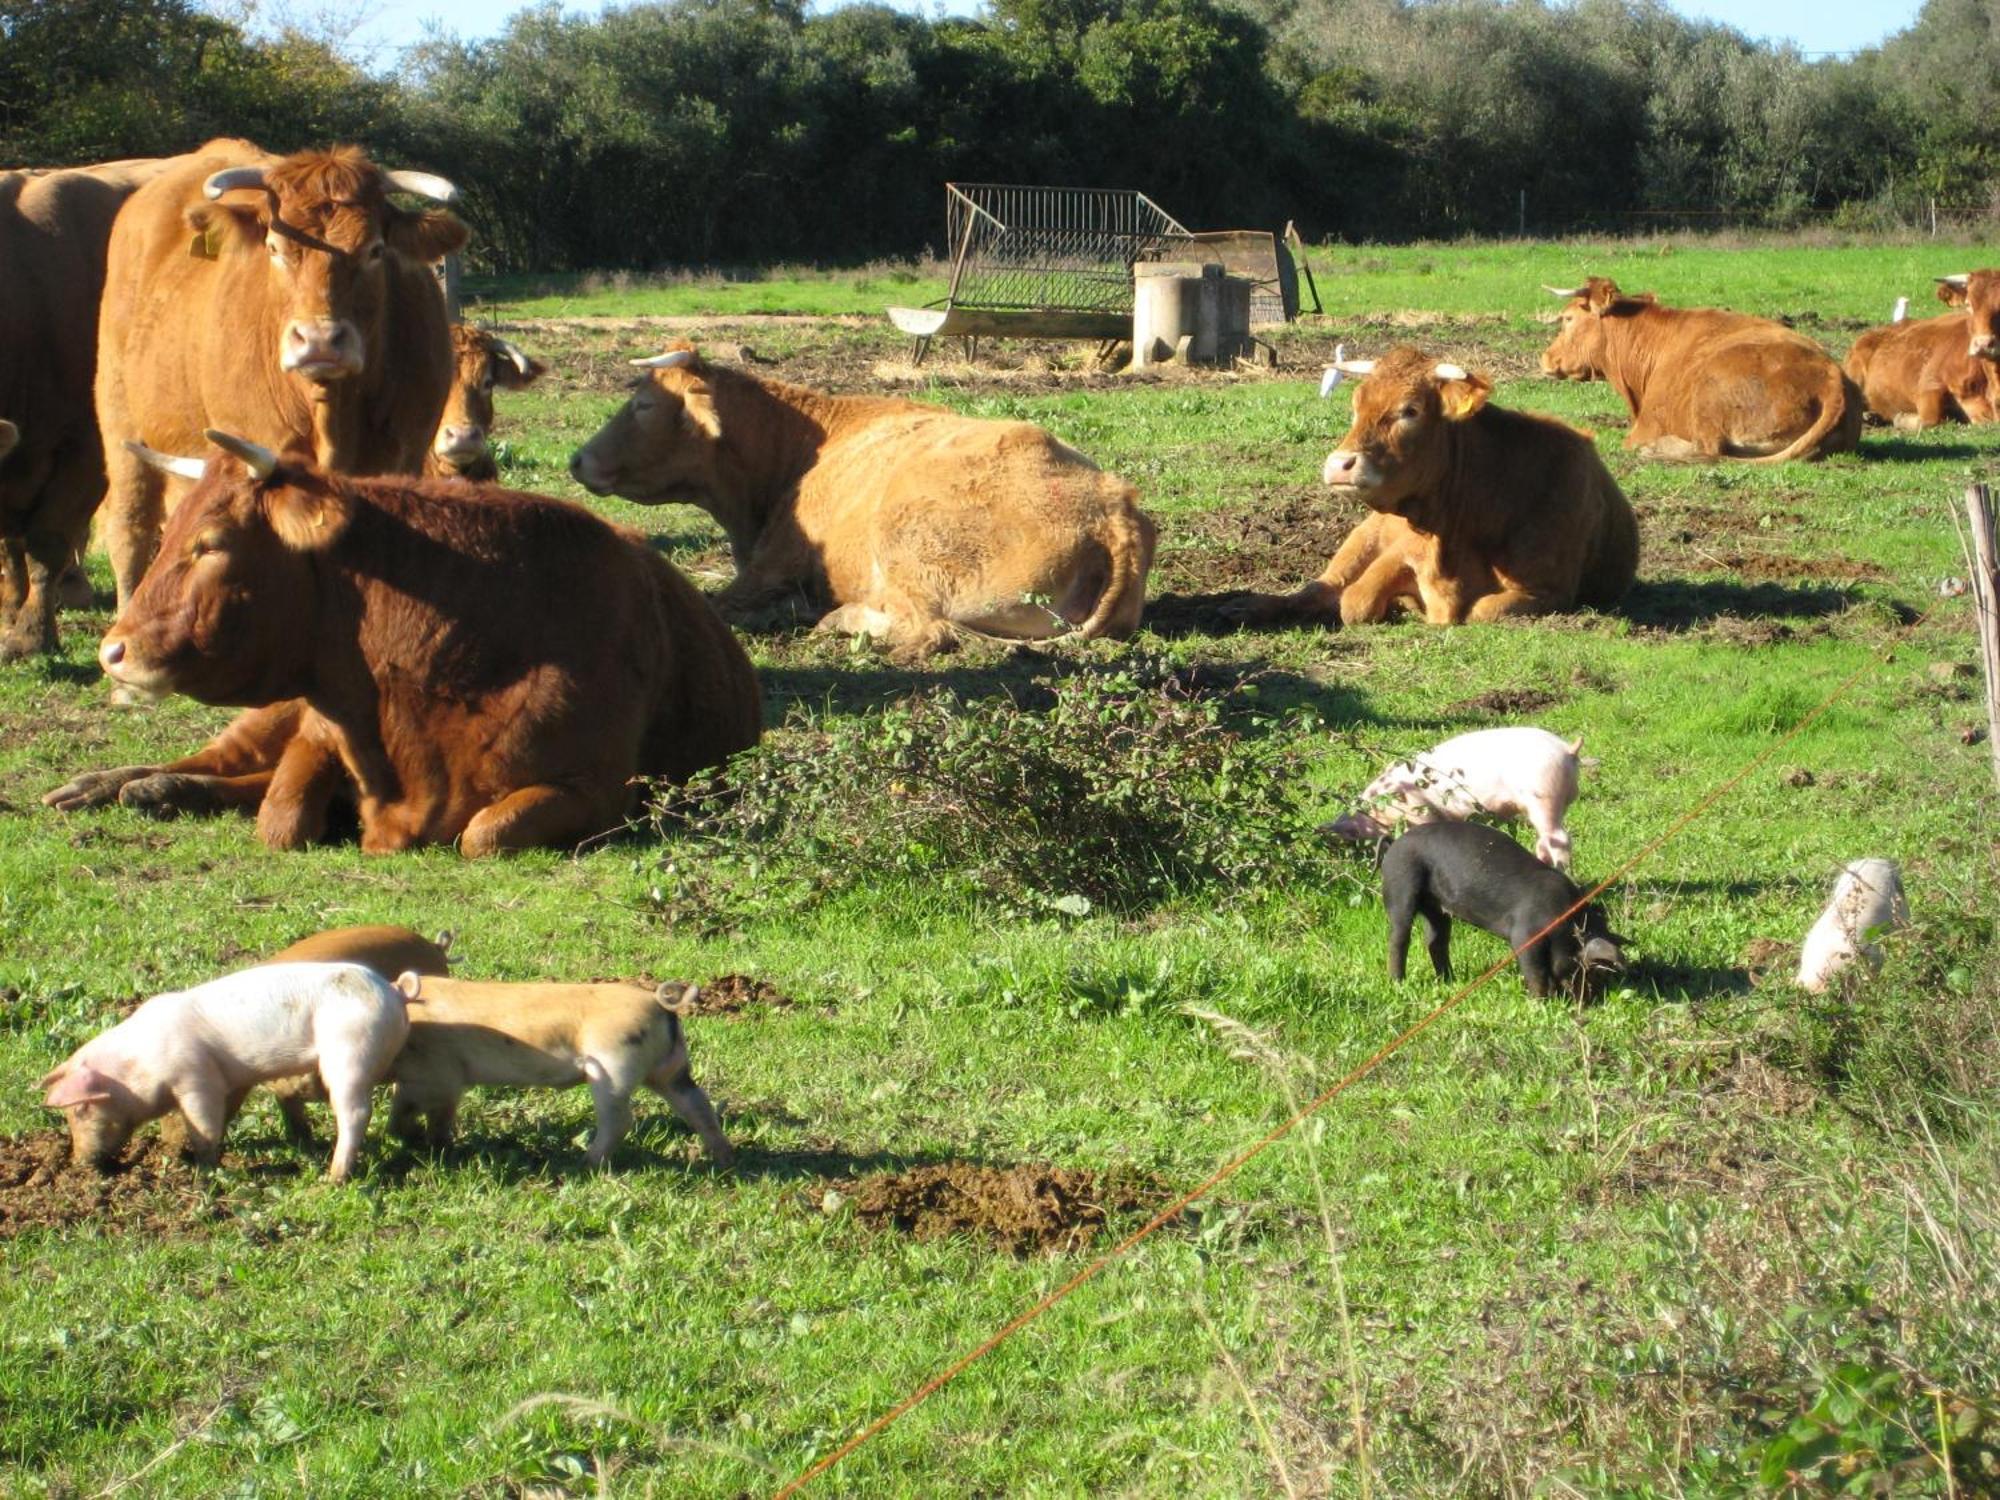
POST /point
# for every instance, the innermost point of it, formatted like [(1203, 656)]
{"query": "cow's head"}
[(1577, 351), (226, 611), (324, 222), (1978, 292), (1394, 450), (482, 362), (663, 443)]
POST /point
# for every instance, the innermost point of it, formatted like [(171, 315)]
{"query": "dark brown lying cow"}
[(1703, 383), (482, 362), (1479, 513), (1932, 370), (471, 664)]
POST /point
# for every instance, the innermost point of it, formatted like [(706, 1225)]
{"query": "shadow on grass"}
[(1903, 449), (1678, 982), (1679, 604)]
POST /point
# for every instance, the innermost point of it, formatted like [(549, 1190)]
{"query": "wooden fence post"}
[(1985, 561)]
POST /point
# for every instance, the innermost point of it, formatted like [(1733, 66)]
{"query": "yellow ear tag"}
[(207, 243)]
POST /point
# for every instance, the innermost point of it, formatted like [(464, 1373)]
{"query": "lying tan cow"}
[(482, 363), (905, 521), (1703, 383), (1479, 513), (1932, 370), (468, 663)]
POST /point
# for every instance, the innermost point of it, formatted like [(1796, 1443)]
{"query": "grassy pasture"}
[(1618, 1249)]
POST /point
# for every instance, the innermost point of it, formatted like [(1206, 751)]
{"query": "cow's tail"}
[(1127, 534), (1840, 408)]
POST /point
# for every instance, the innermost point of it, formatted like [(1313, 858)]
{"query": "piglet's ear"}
[(307, 517), (74, 1084), (1463, 396)]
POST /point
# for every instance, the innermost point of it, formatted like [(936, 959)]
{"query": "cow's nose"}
[(321, 348), (469, 437), (111, 652), (1340, 467), (1984, 346)]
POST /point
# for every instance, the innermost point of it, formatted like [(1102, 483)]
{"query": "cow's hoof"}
[(94, 788), (168, 796), (19, 645)]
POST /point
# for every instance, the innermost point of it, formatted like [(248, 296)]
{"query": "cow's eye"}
[(205, 544), (1409, 414)]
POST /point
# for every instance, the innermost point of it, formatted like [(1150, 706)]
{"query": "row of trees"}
[(709, 131)]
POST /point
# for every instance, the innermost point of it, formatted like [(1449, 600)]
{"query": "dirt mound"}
[(153, 1192), (1770, 565), (1022, 1209), (732, 994), (1506, 701)]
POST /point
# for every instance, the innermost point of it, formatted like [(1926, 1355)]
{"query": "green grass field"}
[(1687, 1240)]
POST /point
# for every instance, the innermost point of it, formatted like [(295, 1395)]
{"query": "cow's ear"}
[(428, 236), (1462, 397), (698, 411), (1951, 293), (513, 368), (306, 519), (1599, 292), (217, 226)]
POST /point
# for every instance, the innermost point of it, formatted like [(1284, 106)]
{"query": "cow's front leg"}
[(1368, 600), (535, 817), (1505, 603), (308, 776)]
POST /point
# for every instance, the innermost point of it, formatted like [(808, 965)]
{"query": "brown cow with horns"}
[(1932, 370), (282, 298), (467, 663), (1703, 383)]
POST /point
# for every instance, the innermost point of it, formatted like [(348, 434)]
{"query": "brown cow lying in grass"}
[(1480, 512), (1705, 384), (905, 521), (468, 663), (1932, 370), (482, 362)]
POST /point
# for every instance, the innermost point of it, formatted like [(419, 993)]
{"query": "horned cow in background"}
[(906, 521), (1928, 371), (482, 362)]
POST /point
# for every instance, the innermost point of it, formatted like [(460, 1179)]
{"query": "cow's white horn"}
[(423, 184), (166, 463), (1328, 381), (1958, 281), (260, 460), (1448, 372), (1356, 366), (231, 177), (521, 361), (1565, 292), (673, 359)]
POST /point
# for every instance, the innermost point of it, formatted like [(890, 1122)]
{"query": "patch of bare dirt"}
[(1025, 1210), (151, 1192), (1507, 702), (1773, 566), (732, 994)]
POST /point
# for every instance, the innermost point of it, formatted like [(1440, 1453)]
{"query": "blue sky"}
[(1815, 26)]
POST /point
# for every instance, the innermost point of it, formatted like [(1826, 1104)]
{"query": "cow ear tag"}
[(207, 243)]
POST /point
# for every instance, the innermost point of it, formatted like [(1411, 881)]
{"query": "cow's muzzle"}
[(586, 474), (1347, 471), (460, 444), (321, 349), (124, 669), (1984, 346)]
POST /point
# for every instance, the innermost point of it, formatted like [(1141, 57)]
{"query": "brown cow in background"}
[(282, 298), (1932, 370), (906, 521), (1704, 383), (1480, 513), (481, 362), (474, 664), (54, 229)]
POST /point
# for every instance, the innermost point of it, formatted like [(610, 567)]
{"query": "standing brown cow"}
[(1703, 383), (905, 521), (282, 298), (1932, 370), (1479, 513), (474, 665), (54, 228), (481, 362)]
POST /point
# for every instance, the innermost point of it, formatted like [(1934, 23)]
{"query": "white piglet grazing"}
[(1507, 773), (201, 1050), (614, 1037), (1867, 899)]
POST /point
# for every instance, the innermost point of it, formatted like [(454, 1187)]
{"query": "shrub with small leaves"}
[(1126, 789)]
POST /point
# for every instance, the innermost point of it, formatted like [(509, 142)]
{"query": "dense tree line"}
[(709, 131)]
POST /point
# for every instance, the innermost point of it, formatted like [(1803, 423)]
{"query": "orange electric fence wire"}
[(1381, 1055)]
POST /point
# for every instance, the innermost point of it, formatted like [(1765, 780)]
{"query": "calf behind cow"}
[(905, 521), (1479, 513), (1704, 383), (467, 663)]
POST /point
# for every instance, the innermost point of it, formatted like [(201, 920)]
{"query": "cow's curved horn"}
[(232, 177), (166, 463), (1958, 281), (520, 361), (673, 359), (260, 460), (423, 184), (1445, 371), (1564, 292)]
